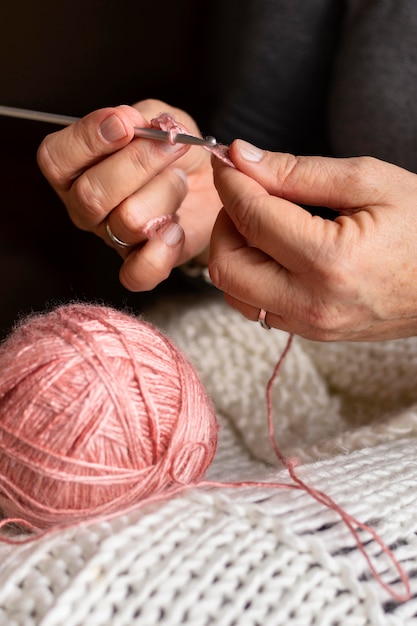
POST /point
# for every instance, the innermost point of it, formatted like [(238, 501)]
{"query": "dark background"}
[(71, 58)]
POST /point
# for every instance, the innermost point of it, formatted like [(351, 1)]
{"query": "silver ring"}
[(262, 319), (115, 240)]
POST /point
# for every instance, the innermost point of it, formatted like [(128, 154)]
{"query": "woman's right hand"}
[(103, 174), (348, 279)]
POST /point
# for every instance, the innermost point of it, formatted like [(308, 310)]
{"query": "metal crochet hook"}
[(66, 120)]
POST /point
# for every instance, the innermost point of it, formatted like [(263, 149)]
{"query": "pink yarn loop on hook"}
[(166, 122)]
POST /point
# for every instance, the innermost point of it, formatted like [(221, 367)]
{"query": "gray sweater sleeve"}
[(373, 105), (275, 72), (326, 77)]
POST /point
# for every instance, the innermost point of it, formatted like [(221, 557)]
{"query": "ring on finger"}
[(115, 240), (262, 319)]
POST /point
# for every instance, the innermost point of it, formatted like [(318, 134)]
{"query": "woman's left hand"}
[(115, 185)]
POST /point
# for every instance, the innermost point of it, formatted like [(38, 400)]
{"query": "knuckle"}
[(139, 160), (363, 174), (143, 276), (328, 314), (91, 198), (246, 213), (219, 271), (134, 218), (151, 105), (90, 142), (128, 280), (288, 170), (43, 156), (48, 165), (325, 322), (362, 166), (324, 336)]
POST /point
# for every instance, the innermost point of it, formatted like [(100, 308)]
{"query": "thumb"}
[(336, 183), (64, 154), (281, 229)]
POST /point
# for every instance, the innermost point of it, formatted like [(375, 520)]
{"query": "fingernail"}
[(248, 151), (112, 129), (172, 235)]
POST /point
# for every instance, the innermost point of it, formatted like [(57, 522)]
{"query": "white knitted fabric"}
[(252, 556)]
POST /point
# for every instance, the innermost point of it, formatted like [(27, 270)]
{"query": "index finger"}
[(343, 184), (284, 231), (63, 155)]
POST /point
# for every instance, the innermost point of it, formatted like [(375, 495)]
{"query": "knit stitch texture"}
[(251, 556)]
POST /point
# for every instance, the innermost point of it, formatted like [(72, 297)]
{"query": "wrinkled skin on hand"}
[(351, 279), (103, 173)]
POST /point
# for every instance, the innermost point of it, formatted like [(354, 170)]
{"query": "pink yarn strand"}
[(351, 522), (107, 380), (167, 123), (321, 497)]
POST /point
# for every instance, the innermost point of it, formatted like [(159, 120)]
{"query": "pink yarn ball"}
[(98, 411)]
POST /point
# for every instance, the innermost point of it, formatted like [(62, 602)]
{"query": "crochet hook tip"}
[(162, 135)]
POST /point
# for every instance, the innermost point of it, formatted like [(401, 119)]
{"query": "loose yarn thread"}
[(100, 413), (321, 497), (166, 122), (351, 522)]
